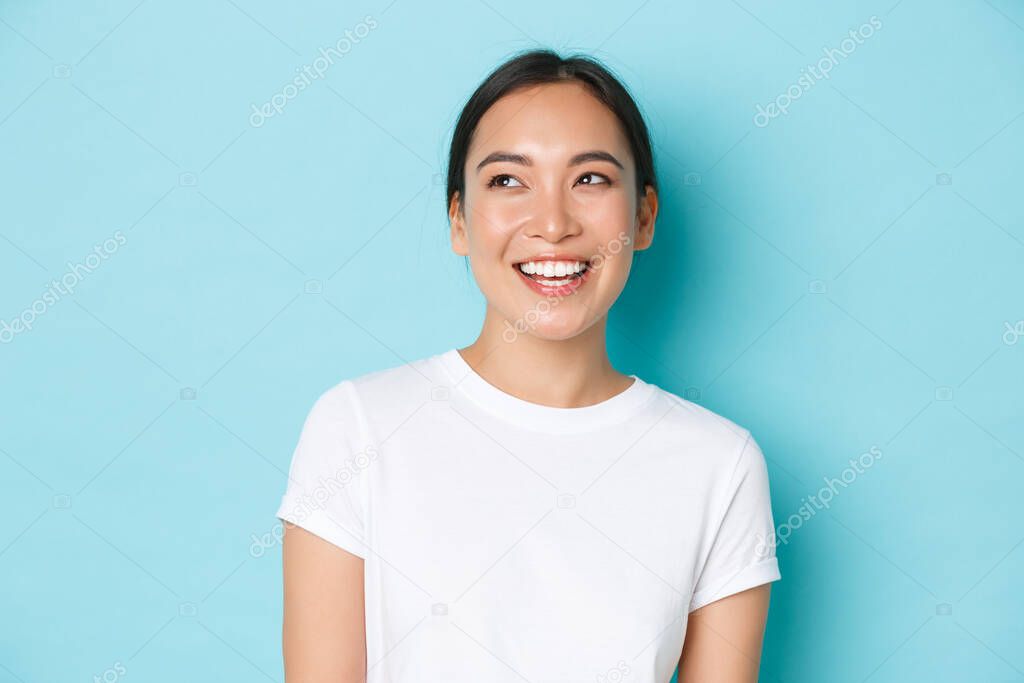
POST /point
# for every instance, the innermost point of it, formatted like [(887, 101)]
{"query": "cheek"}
[(609, 207), (615, 269), (607, 220), (492, 222)]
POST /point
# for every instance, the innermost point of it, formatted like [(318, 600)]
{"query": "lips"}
[(557, 274)]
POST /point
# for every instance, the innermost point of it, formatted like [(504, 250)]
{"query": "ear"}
[(646, 215), (457, 221)]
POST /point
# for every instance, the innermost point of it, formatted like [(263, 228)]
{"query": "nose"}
[(553, 218)]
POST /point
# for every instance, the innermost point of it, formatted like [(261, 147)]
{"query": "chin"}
[(547, 328), (556, 335)]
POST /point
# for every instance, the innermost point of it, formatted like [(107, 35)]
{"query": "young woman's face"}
[(551, 183)]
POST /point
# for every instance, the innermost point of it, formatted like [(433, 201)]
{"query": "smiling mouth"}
[(554, 277)]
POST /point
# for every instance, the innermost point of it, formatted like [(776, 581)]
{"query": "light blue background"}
[(841, 278)]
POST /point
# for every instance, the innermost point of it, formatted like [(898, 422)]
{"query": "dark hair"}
[(539, 66)]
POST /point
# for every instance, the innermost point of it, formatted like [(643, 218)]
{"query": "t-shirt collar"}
[(539, 417)]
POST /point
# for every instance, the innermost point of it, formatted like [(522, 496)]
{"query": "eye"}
[(605, 178), (495, 181)]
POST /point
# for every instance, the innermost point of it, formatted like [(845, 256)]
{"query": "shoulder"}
[(714, 439), (392, 390), (417, 377)]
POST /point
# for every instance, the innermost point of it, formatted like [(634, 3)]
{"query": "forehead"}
[(548, 122)]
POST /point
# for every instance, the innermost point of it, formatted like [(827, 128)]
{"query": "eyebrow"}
[(523, 160)]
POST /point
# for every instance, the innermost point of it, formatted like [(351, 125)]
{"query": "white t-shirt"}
[(506, 540)]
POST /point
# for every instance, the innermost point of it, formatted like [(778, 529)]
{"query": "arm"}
[(324, 637), (723, 638)]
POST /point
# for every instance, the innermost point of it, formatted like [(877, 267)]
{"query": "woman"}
[(518, 509)]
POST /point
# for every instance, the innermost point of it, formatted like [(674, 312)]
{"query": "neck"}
[(566, 373)]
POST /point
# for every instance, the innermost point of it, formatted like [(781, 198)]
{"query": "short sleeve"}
[(322, 493), (742, 553)]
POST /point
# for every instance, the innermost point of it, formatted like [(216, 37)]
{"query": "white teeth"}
[(552, 268)]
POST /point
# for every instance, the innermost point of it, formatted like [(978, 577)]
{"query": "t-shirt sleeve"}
[(742, 553), (323, 490)]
